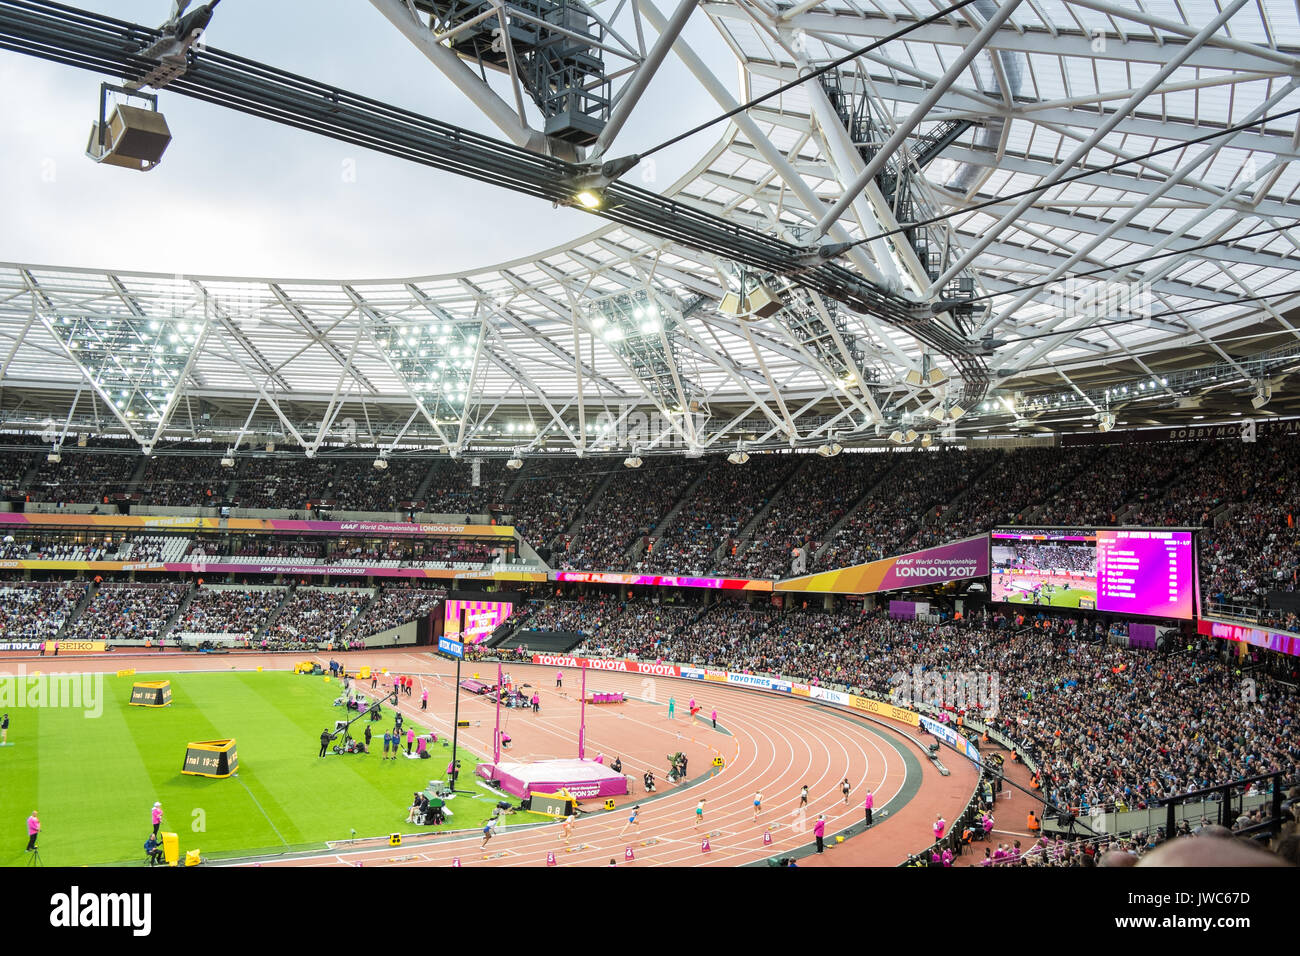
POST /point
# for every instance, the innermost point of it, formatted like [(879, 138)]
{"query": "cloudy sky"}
[(240, 196)]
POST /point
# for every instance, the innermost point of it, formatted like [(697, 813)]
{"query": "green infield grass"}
[(94, 779)]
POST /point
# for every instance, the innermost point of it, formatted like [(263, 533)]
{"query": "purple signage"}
[(1142, 636), (948, 562), (902, 610)]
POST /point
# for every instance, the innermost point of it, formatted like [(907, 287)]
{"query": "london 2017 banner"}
[(956, 561)]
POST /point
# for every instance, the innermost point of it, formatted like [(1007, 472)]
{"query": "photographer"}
[(153, 850)]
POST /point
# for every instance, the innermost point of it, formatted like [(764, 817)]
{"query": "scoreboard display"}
[(1138, 571)]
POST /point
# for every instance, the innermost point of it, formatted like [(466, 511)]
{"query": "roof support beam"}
[(1076, 155)]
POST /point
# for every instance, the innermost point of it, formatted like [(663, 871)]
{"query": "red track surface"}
[(776, 745)]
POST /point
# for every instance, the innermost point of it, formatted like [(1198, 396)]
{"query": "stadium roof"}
[(1113, 196)]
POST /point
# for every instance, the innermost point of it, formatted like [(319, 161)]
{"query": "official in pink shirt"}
[(410, 740), (33, 830), (939, 826), (867, 804), (157, 817), (819, 831)]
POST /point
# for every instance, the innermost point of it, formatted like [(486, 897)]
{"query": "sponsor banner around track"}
[(830, 696), (181, 523), (956, 561), (953, 739), (20, 645), (715, 677), (78, 647), (784, 686), (609, 664), (882, 709), (694, 673), (1250, 634), (800, 690), (750, 680)]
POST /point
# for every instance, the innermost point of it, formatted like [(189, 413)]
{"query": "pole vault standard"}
[(455, 649), (582, 718), (496, 734)]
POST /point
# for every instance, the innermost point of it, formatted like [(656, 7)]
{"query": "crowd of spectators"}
[(131, 612), (229, 610), (1117, 728), (397, 605), (317, 615), (36, 612), (1006, 492), (892, 516), (721, 505), (610, 626), (550, 497), (14, 464), (1114, 479), (1253, 546), (452, 489), (715, 637), (286, 483), (630, 508), (1241, 494), (802, 514), (184, 480), (359, 486), (83, 476)]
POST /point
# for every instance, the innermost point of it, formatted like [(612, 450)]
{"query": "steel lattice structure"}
[(1052, 300)]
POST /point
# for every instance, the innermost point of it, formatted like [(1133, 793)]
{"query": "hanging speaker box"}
[(135, 139), (764, 303)]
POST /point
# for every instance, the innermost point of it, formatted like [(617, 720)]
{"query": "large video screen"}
[(480, 619), (1139, 571)]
